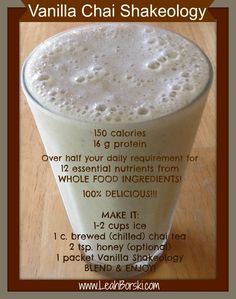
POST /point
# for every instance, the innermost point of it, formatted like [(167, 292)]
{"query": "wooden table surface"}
[(42, 212)]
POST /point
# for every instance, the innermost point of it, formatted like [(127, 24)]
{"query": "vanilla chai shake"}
[(120, 103)]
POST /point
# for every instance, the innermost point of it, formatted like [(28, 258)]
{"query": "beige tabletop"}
[(41, 208)]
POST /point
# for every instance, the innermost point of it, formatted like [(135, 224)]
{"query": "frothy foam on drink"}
[(120, 72)]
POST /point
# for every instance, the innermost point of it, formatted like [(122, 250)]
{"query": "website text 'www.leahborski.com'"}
[(119, 285)]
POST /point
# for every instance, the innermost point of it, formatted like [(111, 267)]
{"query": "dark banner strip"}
[(117, 11)]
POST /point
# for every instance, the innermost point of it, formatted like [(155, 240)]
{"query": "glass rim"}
[(79, 120)]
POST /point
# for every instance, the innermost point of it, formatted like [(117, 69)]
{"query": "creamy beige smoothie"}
[(118, 106)]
